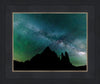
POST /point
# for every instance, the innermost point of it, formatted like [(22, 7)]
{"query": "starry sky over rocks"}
[(33, 32)]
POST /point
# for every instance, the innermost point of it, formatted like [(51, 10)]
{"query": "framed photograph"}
[(50, 41)]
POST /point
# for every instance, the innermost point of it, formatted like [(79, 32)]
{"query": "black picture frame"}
[(7, 76)]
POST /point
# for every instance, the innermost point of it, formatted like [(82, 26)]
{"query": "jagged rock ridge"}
[(47, 60)]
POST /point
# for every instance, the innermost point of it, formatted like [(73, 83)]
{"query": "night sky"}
[(32, 33)]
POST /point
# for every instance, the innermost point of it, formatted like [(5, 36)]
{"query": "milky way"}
[(32, 33)]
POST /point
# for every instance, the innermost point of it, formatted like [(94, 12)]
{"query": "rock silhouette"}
[(47, 60)]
